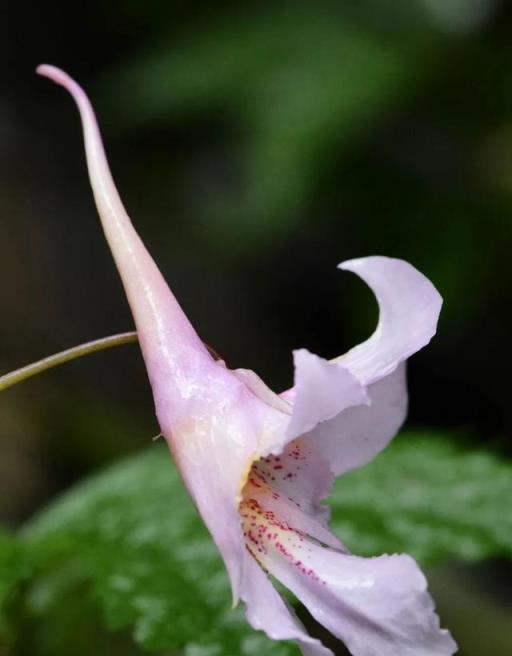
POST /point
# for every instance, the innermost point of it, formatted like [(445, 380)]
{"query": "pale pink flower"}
[(257, 464)]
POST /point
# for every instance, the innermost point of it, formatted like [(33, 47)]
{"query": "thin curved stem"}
[(57, 359)]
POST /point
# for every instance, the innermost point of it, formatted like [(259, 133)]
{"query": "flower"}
[(257, 464)]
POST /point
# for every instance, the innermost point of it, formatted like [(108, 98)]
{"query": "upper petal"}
[(409, 307), (341, 403)]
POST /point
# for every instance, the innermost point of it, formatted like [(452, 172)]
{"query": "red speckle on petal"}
[(267, 536)]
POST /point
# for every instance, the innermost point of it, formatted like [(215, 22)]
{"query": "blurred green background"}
[(256, 147)]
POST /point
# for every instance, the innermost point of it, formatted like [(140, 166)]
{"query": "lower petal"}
[(268, 612), (377, 606)]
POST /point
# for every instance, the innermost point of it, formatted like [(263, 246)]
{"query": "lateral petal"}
[(357, 435), (322, 390), (291, 486)]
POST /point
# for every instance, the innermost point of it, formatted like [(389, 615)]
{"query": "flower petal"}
[(330, 400), (267, 611), (253, 382), (322, 390), (377, 606), (409, 307), (357, 435)]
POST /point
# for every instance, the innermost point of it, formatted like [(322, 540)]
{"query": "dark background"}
[(255, 147)]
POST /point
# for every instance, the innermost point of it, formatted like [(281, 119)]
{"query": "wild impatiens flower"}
[(257, 464)]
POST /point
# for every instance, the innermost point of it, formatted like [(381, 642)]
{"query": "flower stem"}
[(57, 359)]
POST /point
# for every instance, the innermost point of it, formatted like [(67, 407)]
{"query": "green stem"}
[(73, 353)]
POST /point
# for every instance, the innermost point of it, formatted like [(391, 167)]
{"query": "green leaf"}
[(427, 496), (133, 532), (13, 569)]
